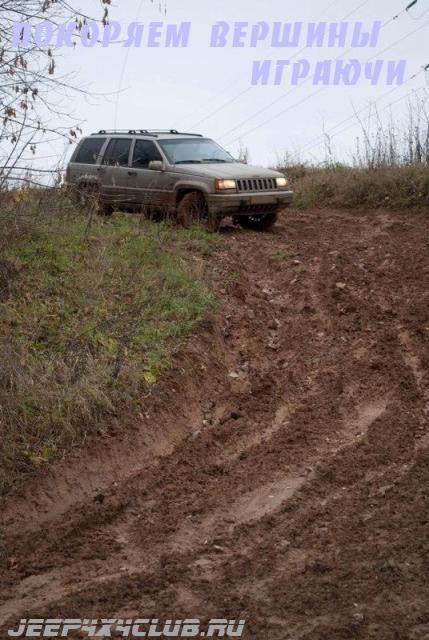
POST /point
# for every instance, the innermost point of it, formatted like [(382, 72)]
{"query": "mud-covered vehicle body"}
[(187, 175)]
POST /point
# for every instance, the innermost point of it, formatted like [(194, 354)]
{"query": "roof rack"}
[(125, 131), (174, 132), (146, 132)]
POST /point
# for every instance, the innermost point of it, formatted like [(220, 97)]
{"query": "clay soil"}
[(280, 473)]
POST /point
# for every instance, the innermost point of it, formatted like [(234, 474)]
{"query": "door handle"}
[(132, 173)]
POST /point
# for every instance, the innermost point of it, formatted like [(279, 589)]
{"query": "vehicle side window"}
[(117, 152), (144, 152), (89, 150)]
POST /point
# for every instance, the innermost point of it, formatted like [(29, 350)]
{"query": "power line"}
[(407, 10), (242, 93), (391, 104), (203, 107), (318, 91), (379, 53), (385, 24), (309, 146), (223, 106), (354, 11), (415, 17)]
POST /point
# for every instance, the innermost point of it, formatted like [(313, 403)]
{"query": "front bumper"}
[(248, 203)]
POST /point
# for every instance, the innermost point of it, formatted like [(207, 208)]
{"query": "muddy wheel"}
[(193, 208), (104, 209), (87, 198), (154, 215), (258, 222)]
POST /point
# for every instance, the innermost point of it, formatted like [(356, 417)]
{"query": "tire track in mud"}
[(289, 485)]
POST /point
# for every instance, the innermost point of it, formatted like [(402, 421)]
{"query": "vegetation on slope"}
[(388, 167), (89, 310), (343, 187)]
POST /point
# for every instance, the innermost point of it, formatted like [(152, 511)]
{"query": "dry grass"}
[(353, 187), (389, 166)]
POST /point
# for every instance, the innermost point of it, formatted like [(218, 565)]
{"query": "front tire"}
[(193, 208), (258, 222)]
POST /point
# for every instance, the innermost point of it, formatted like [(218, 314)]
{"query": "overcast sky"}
[(181, 88)]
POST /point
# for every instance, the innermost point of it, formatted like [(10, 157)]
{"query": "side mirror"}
[(156, 165)]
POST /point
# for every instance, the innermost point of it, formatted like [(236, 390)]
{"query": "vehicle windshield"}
[(194, 151)]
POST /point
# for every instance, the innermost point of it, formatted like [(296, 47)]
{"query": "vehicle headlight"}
[(223, 185), (282, 182)]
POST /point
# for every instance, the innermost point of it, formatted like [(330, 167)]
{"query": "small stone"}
[(274, 346), (341, 285)]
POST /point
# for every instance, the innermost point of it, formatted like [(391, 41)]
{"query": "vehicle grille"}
[(256, 184)]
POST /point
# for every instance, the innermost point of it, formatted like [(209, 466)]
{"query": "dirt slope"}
[(281, 473)]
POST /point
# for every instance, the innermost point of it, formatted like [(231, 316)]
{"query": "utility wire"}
[(223, 106), (407, 10), (203, 107), (319, 139), (416, 17), (318, 91), (242, 93), (285, 95), (234, 82), (391, 104)]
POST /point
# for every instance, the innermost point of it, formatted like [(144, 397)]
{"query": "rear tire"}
[(193, 208), (258, 222), (88, 200), (154, 215), (104, 209)]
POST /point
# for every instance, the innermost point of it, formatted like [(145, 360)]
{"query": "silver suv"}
[(185, 174)]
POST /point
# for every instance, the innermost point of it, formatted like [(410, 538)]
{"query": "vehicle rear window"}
[(144, 152), (89, 150), (117, 152)]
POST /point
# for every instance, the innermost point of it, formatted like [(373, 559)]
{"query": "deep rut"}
[(280, 474)]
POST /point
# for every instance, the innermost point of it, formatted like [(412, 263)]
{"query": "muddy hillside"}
[(280, 474)]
